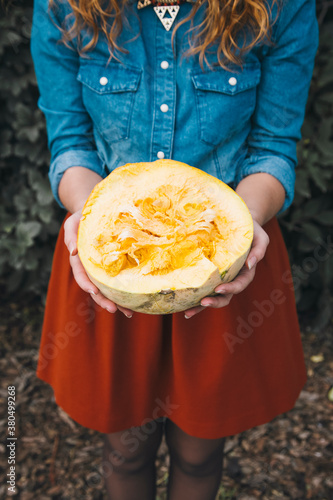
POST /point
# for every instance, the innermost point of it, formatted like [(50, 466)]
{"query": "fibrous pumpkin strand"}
[(162, 232)]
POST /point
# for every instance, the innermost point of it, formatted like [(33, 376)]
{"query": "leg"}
[(195, 465), (129, 462)]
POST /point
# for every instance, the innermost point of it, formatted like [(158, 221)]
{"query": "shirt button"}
[(164, 108), (164, 64), (160, 155), (233, 81), (103, 80)]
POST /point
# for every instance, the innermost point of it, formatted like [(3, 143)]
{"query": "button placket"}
[(165, 89)]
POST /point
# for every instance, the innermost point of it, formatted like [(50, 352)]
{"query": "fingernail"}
[(92, 292), (128, 315), (109, 310), (187, 317), (252, 262), (222, 290), (71, 248), (207, 304)]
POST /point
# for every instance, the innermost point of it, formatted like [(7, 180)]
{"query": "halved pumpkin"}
[(157, 237)]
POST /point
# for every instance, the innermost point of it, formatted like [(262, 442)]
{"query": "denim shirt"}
[(153, 103)]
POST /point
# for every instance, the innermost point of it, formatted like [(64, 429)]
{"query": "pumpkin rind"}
[(167, 289)]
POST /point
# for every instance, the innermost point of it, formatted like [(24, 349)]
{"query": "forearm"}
[(263, 194), (75, 187)]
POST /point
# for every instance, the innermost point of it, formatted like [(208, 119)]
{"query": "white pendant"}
[(167, 21)]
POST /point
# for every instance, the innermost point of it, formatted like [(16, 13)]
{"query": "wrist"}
[(263, 194), (257, 217), (75, 187)]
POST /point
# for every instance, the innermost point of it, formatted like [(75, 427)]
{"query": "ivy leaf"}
[(325, 218), (311, 231), (27, 231), (312, 207), (303, 186), (30, 133)]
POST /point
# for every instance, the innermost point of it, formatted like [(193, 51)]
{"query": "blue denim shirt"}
[(153, 103)]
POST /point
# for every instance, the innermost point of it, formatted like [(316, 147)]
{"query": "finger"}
[(81, 277), (193, 311), (84, 282), (217, 302), (105, 303), (259, 246), (128, 312), (243, 279), (110, 306), (71, 228)]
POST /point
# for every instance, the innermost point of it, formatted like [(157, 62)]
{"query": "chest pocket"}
[(225, 101), (108, 94)]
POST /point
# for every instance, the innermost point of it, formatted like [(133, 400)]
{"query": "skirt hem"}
[(193, 428)]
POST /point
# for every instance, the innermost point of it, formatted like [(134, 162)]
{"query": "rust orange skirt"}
[(217, 374)]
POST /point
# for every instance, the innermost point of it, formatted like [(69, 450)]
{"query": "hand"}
[(242, 280), (71, 228)]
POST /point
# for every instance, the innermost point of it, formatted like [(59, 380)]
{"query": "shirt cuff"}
[(276, 166), (74, 158)]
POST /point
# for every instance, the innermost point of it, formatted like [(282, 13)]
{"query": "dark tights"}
[(129, 463)]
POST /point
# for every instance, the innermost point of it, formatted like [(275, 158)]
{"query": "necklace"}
[(166, 10)]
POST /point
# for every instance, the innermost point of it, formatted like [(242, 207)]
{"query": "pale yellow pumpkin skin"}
[(170, 301), (164, 299)]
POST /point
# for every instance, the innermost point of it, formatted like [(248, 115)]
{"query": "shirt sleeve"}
[(69, 126), (282, 93)]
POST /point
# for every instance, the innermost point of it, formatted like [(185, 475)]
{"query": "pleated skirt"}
[(217, 374)]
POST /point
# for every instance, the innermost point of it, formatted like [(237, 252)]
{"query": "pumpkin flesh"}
[(158, 237)]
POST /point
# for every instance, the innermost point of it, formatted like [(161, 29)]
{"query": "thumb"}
[(71, 227), (259, 246)]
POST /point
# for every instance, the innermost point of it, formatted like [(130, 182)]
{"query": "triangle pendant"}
[(172, 11)]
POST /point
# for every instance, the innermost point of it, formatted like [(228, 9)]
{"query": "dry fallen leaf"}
[(330, 394), (317, 358)]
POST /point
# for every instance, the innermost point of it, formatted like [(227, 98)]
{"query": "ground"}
[(289, 457)]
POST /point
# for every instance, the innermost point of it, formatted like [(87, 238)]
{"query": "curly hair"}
[(224, 23)]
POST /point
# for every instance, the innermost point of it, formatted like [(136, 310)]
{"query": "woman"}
[(220, 85)]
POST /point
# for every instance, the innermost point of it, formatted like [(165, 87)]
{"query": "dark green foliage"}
[(309, 221), (30, 219)]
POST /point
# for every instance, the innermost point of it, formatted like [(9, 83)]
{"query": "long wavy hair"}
[(225, 23)]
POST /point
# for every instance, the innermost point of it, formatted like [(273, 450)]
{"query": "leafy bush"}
[(30, 219), (308, 224)]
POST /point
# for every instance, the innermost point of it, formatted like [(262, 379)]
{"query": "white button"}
[(233, 81), (160, 155), (103, 80), (164, 64), (164, 108)]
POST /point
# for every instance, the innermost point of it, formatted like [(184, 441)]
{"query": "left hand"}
[(242, 280)]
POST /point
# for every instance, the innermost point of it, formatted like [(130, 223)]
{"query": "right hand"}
[(71, 227)]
